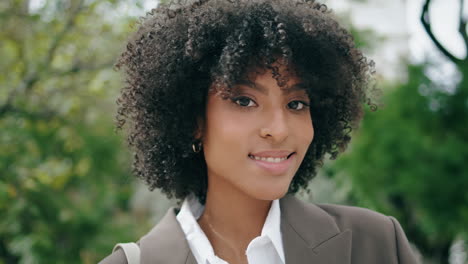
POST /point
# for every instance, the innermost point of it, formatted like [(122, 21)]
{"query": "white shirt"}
[(266, 248)]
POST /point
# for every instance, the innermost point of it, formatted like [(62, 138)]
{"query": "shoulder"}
[(372, 230), (367, 225), (359, 219), (337, 218), (120, 251), (165, 237), (117, 257)]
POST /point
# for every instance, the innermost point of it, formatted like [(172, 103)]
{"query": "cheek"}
[(223, 127), (305, 131), (309, 132), (226, 137)]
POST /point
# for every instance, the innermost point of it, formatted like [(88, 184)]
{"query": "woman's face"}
[(256, 140)]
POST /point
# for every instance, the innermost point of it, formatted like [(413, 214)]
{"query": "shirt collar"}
[(191, 210), (272, 229)]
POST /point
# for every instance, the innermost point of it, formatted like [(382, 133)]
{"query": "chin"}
[(271, 196), (270, 192)]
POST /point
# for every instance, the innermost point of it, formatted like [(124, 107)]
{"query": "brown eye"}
[(244, 101), (297, 105)]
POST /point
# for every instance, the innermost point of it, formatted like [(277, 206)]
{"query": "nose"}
[(275, 127)]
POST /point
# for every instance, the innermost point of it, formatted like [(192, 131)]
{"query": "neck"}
[(236, 213), (231, 218)]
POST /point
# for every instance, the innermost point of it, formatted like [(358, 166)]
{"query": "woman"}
[(232, 107)]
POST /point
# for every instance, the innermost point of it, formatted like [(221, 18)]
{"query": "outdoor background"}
[(66, 191)]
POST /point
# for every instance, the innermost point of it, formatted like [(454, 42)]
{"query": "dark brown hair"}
[(181, 49)]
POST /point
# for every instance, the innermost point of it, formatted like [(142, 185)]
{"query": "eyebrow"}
[(262, 89)]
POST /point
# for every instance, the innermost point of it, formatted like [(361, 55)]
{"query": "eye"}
[(243, 101), (297, 105)]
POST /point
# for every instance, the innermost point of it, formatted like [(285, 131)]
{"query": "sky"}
[(444, 14), (388, 16)]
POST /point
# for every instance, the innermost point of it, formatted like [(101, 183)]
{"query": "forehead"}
[(262, 80), (287, 89)]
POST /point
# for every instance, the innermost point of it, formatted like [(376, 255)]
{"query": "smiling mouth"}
[(271, 159)]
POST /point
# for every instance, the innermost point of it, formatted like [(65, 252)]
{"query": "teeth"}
[(269, 159)]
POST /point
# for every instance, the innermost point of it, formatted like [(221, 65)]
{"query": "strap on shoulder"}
[(131, 250)]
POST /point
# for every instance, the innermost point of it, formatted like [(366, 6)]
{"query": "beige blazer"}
[(312, 233)]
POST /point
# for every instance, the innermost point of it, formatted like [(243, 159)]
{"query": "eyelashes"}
[(246, 102), (300, 105), (243, 101)]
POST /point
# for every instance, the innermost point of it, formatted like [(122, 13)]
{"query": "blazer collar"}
[(310, 235), (166, 243)]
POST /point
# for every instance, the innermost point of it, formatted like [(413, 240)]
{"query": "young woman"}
[(232, 107)]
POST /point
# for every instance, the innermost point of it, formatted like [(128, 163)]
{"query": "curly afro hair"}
[(181, 49)]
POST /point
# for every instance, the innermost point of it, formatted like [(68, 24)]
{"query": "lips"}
[(272, 154), (274, 162), (269, 159), (272, 158)]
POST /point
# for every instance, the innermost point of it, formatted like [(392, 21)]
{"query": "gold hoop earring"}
[(197, 146)]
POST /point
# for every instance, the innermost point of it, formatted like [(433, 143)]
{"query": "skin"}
[(239, 191)]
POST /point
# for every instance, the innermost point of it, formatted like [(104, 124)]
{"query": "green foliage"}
[(408, 162), (64, 175)]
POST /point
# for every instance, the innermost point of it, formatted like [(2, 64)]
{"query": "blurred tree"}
[(409, 158), (457, 105), (64, 177), (406, 162)]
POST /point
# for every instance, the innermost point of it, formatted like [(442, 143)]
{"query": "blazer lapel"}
[(166, 243), (310, 235)]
